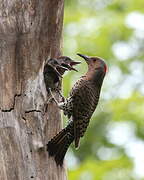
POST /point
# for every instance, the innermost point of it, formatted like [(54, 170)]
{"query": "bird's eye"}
[(94, 60)]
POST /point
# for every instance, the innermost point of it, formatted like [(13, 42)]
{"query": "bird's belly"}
[(87, 106)]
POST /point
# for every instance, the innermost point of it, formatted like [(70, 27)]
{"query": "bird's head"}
[(68, 62), (94, 63), (55, 66)]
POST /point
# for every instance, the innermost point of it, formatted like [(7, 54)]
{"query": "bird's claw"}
[(62, 99), (50, 100)]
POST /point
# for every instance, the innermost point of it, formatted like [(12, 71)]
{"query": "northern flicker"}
[(55, 68), (79, 107), (67, 63)]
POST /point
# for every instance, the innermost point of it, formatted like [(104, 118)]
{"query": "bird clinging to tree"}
[(55, 68), (79, 107)]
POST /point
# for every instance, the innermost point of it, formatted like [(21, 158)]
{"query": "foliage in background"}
[(113, 147)]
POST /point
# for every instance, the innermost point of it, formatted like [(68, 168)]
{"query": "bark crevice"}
[(14, 102), (33, 110)]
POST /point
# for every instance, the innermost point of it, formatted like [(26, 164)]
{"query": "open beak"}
[(74, 63), (62, 67), (86, 58), (72, 68)]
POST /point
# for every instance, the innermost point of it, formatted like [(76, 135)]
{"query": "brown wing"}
[(83, 107)]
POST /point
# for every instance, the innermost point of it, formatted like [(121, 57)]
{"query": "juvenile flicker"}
[(79, 107), (54, 70), (67, 63)]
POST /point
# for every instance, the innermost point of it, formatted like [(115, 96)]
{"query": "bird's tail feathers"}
[(58, 145)]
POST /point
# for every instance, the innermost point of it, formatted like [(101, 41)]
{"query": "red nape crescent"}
[(105, 68)]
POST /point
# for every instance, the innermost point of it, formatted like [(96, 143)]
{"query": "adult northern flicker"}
[(79, 107)]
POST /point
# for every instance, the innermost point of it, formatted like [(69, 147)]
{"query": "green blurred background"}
[(113, 146)]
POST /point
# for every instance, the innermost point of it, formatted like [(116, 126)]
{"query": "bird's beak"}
[(86, 58), (62, 67), (74, 63), (72, 68)]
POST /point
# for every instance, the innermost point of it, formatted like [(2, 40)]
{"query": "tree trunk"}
[(30, 31)]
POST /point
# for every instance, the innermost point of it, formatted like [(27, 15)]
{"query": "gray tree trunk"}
[(30, 31)]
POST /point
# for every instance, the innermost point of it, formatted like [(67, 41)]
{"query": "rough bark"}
[(30, 31)]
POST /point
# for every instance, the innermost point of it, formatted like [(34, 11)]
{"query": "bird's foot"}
[(62, 97), (50, 100)]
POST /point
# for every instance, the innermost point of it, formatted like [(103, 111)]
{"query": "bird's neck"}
[(95, 77)]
